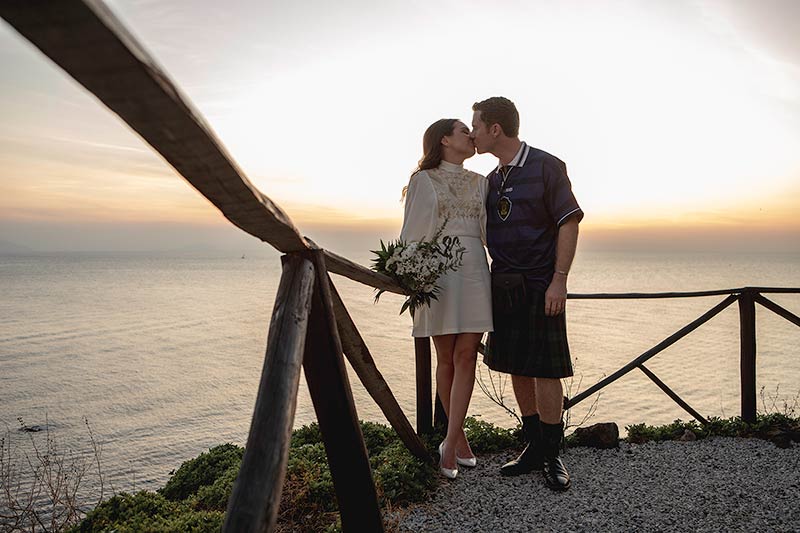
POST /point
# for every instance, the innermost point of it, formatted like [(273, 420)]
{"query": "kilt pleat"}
[(526, 342)]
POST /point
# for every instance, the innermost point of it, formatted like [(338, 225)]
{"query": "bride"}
[(441, 188)]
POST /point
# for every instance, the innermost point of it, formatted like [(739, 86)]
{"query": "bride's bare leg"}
[(444, 345), (465, 354)]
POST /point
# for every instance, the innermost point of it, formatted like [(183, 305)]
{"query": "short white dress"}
[(464, 302)]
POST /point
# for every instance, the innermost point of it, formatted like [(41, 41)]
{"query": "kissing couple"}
[(525, 214)]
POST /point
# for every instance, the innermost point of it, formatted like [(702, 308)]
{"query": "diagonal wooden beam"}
[(91, 45), (672, 394), (778, 310), (356, 351)]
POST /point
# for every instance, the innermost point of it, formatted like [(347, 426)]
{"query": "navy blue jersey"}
[(523, 218)]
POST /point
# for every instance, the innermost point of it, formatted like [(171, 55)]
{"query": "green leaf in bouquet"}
[(378, 294)]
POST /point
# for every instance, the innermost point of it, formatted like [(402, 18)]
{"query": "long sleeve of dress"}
[(421, 217)]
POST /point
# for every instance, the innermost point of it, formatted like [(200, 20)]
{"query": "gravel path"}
[(718, 484)]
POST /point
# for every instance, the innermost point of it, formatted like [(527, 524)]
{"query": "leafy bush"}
[(309, 485), (215, 497), (639, 433), (764, 427), (308, 501), (400, 477), (308, 434), (148, 511), (203, 470), (196, 496), (377, 436), (488, 438)]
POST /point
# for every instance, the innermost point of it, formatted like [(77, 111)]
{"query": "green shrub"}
[(196, 496), (215, 497), (716, 427), (308, 500), (488, 438), (127, 508), (400, 477), (189, 521), (377, 436), (639, 433), (308, 434), (203, 470), (151, 512)]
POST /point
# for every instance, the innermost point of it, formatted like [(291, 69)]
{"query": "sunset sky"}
[(679, 121)]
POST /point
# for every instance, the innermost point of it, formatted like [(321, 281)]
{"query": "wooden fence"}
[(310, 327), (747, 297)]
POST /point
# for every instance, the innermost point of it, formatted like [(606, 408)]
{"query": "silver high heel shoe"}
[(449, 473), (467, 461)]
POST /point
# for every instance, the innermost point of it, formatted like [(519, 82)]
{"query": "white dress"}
[(464, 302)]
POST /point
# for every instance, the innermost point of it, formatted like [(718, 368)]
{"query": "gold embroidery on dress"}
[(458, 192)]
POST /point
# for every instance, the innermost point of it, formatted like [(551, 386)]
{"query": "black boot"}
[(531, 457), (555, 473)]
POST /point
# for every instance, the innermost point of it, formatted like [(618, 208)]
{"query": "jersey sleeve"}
[(558, 197)]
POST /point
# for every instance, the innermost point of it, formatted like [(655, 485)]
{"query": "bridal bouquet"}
[(416, 266)]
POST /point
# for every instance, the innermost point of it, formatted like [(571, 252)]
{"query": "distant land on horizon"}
[(7, 248), (350, 242)]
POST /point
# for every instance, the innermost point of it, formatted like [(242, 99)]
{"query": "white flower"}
[(416, 266)]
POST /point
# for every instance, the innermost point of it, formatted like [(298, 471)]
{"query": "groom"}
[(532, 233)]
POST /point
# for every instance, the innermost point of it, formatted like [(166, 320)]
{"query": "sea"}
[(156, 358)]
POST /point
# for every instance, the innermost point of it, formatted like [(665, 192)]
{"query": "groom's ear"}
[(495, 130)]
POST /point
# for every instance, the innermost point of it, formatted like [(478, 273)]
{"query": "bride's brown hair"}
[(432, 145)]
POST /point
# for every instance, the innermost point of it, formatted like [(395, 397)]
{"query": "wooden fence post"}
[(329, 387), (422, 352), (747, 333), (253, 505)]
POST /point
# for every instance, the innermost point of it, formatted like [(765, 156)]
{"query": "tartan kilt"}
[(526, 342)]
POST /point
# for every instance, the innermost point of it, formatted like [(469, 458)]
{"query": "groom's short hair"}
[(499, 110)]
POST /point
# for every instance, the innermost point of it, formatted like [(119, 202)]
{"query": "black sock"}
[(531, 428), (552, 434)]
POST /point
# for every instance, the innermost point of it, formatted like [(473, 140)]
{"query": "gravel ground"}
[(717, 484)]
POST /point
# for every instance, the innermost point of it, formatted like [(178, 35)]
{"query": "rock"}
[(602, 435), (688, 436), (781, 437)]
